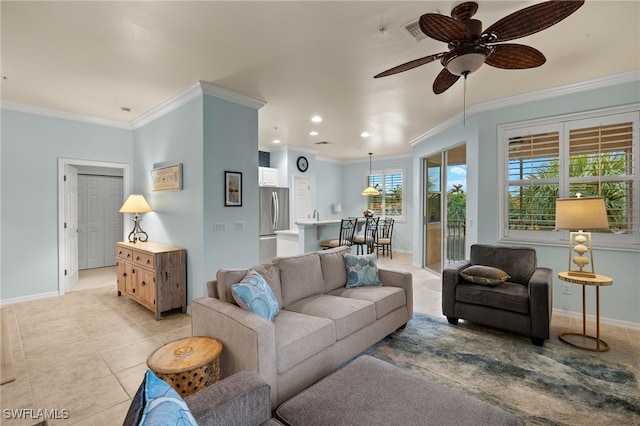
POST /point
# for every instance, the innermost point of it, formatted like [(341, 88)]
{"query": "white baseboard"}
[(603, 320), (29, 298)]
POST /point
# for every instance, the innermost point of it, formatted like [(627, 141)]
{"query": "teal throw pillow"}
[(254, 294), (362, 270), (485, 275), (157, 403)]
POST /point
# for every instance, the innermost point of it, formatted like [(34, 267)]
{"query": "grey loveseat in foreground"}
[(321, 324), (367, 391)]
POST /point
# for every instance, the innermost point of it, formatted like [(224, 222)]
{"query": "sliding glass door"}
[(444, 208)]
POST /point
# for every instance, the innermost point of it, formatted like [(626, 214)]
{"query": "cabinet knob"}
[(143, 283)]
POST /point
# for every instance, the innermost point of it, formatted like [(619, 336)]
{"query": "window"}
[(390, 202), (591, 155)]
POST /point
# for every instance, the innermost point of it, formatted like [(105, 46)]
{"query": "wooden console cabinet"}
[(152, 274)]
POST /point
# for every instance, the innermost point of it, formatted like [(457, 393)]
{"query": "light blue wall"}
[(177, 217), (329, 188), (353, 203), (621, 301), (230, 144), (31, 146)]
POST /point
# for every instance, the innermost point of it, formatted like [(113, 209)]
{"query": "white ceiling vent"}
[(414, 29)]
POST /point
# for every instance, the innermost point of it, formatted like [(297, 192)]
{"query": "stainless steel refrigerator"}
[(274, 216)]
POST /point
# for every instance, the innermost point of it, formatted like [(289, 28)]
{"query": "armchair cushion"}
[(486, 275)]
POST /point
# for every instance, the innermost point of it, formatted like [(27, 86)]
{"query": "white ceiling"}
[(302, 58)]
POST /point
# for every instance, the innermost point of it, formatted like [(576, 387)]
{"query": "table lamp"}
[(578, 214), (136, 204)]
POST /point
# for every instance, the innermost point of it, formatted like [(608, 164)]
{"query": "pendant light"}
[(370, 190)]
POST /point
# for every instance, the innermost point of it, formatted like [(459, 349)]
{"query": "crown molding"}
[(52, 113), (231, 96), (553, 92), (190, 93)]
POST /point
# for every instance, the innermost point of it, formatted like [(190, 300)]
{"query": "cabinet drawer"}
[(143, 259), (124, 253)]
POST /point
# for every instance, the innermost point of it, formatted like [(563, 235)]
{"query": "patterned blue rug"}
[(549, 385)]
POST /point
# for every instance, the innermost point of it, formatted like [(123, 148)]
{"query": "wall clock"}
[(303, 164)]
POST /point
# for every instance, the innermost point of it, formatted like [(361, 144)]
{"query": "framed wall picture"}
[(167, 178), (232, 189)]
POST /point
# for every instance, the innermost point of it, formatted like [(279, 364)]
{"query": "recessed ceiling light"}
[(364, 134), (316, 119), (313, 133), (276, 141)]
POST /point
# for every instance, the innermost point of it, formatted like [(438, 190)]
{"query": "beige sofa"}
[(321, 323)]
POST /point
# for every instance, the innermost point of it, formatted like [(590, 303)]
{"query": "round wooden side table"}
[(189, 364), (598, 281)]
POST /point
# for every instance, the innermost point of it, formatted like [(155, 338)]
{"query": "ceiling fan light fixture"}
[(465, 64)]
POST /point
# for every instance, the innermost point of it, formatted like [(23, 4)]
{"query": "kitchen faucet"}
[(316, 213)]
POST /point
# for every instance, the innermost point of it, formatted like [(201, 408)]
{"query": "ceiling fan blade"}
[(409, 65), (515, 56), (443, 28), (532, 19), (443, 81)]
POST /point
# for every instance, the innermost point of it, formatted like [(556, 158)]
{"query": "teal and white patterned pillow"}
[(362, 270), (254, 294), (157, 403)]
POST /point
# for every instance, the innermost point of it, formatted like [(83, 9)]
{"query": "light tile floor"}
[(85, 352)]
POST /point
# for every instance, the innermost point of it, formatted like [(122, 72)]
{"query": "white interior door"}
[(112, 218), (301, 198), (95, 222), (70, 226), (82, 222)]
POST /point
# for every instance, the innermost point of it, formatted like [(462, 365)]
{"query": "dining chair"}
[(368, 237), (384, 236), (347, 229)]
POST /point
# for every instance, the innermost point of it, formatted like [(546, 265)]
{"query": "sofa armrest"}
[(541, 301), (249, 341), (240, 399), (404, 280), (450, 279)]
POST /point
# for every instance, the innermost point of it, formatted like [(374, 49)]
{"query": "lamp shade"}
[(135, 204), (370, 190), (586, 213)]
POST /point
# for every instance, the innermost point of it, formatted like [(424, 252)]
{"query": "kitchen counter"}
[(307, 237)]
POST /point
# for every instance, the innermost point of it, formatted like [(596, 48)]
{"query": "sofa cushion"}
[(271, 274), (300, 277), (226, 278), (385, 298), (300, 336), (362, 270), (254, 294), (508, 296), (349, 315), (333, 270), (519, 262), (486, 275)]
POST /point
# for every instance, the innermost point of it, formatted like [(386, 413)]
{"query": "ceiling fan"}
[(470, 46)]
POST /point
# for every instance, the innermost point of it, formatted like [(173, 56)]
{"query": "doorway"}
[(444, 208), (68, 264)]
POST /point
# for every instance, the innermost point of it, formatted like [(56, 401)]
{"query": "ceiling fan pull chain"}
[(464, 101)]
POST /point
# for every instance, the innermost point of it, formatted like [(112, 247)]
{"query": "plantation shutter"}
[(533, 174), (601, 164)]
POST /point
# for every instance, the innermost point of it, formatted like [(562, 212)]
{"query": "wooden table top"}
[(184, 354), (599, 280)]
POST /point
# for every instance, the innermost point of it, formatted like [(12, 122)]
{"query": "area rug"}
[(549, 385)]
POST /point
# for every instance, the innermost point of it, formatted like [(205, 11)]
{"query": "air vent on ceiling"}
[(414, 29), (323, 143)]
